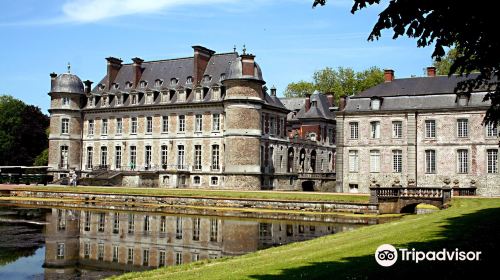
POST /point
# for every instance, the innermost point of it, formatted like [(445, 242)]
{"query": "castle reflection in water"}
[(81, 243)]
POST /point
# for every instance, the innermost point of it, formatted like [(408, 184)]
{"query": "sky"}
[(290, 39)]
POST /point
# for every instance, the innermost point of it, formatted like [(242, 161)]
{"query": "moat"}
[(85, 243)]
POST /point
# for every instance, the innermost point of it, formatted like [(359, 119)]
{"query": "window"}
[(148, 157), (119, 100), (65, 101), (133, 125), (354, 130), (195, 257), (149, 125), (90, 101), (102, 219), (207, 78), (116, 223), (216, 122), (215, 157), (91, 127), (214, 181), (145, 257), (150, 98), (430, 129), (133, 100), (353, 161), (222, 76), (178, 228), (180, 156), (173, 81), (158, 83), (65, 126), (162, 259), (165, 97), (133, 157), (130, 255), (61, 219), (198, 123), (214, 230), (331, 136), (375, 104), (147, 224), (60, 251), (104, 156), (178, 258), (397, 129), (128, 85), (272, 123), (463, 128), (104, 101), (90, 155), (64, 156), (164, 156), (100, 251), (491, 130), (197, 157), (189, 80), (197, 180), (492, 160), (182, 123), (463, 161), (196, 229), (143, 84), (375, 130), (375, 161), (104, 128), (119, 126), (430, 161), (397, 161), (115, 253), (88, 216), (131, 223), (86, 250), (164, 124), (163, 224)]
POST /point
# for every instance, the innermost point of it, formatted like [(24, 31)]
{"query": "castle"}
[(205, 121)]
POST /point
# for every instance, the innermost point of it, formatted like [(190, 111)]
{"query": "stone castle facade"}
[(205, 121)]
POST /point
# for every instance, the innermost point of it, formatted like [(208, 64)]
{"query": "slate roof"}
[(320, 111)]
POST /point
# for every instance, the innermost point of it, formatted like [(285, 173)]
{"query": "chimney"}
[(342, 102), (137, 70), (53, 77), (329, 96), (431, 71), (88, 86), (201, 58), (273, 91), (308, 102), (388, 75), (114, 65), (248, 64)]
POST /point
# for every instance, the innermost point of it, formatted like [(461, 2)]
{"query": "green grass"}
[(296, 196), (470, 224)]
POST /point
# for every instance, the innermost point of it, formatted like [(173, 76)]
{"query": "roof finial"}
[(234, 48), (69, 67), (244, 49)]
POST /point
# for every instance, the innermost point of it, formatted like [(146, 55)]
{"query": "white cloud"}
[(85, 11)]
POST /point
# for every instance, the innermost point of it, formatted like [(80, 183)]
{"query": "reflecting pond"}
[(79, 243)]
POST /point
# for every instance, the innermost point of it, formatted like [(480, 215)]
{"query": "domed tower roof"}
[(244, 67), (67, 82)]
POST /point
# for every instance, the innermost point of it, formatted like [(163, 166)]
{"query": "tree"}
[(470, 26), (22, 132), (443, 65), (340, 81)]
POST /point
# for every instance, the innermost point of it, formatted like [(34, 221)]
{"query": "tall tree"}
[(22, 132), (471, 27), (443, 64), (340, 81)]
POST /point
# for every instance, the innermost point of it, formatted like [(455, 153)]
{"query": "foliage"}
[(42, 159), (22, 132), (340, 81), (471, 27), (443, 65)]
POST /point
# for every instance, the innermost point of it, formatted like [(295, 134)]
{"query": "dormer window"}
[(90, 102), (173, 81), (104, 101), (149, 98), (158, 83), (128, 85), (463, 99), (133, 101), (189, 80), (207, 78), (115, 86), (375, 103), (143, 84), (222, 76), (119, 100), (101, 87), (65, 101)]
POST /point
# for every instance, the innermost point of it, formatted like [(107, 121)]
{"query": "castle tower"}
[(66, 94), (242, 136)]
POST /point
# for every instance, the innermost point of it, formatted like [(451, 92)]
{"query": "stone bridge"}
[(404, 200)]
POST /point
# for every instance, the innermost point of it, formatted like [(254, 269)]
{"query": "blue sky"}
[(289, 38)]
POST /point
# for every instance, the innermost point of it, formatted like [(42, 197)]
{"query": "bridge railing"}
[(377, 193)]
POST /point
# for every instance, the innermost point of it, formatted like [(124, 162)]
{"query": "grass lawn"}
[(298, 196), (470, 224)]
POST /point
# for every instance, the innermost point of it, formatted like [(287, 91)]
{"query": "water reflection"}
[(93, 244)]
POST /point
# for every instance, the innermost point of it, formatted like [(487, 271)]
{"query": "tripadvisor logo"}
[(387, 255)]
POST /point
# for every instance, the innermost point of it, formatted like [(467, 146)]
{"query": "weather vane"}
[(69, 67), (234, 48), (244, 49)]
